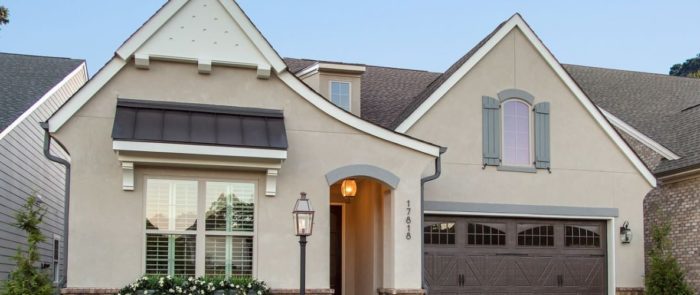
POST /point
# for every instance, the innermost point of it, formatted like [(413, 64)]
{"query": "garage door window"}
[(486, 234), (581, 236), (440, 233), (535, 235)]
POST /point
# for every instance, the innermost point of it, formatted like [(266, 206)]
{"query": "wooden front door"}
[(470, 255), (336, 251)]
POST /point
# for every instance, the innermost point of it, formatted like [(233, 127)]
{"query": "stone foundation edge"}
[(89, 291), (107, 291), (391, 291), (629, 291), (296, 291)]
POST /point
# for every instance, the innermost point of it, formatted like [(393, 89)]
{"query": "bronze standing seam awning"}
[(200, 124)]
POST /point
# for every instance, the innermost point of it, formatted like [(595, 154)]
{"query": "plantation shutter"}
[(491, 131), (542, 135)]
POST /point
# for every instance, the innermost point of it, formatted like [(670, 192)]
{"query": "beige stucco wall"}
[(106, 235), (588, 169)]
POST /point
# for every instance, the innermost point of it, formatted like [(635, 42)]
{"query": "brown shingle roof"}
[(385, 91), (660, 106)]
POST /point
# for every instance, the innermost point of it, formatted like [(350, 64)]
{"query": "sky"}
[(644, 35)]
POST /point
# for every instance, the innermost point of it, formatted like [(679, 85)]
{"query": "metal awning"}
[(199, 124)]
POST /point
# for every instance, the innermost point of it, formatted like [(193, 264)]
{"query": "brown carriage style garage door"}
[(470, 255)]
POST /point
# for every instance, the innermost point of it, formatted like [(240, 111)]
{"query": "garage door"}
[(514, 256)]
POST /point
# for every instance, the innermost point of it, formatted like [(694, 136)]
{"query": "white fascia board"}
[(517, 21), (149, 28), (639, 136), (203, 150), (85, 93), (329, 108), (82, 68)]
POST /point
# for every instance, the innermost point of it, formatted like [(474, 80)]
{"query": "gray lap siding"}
[(24, 171)]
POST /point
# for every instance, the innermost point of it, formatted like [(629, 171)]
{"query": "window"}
[(439, 234), (340, 94), (536, 235), (516, 133), (582, 236), (489, 234), (173, 227)]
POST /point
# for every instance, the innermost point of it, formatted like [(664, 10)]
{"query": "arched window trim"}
[(529, 102)]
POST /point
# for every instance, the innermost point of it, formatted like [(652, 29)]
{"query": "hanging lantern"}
[(348, 188), (625, 233)]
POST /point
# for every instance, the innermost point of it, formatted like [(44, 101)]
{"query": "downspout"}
[(66, 204), (436, 175)]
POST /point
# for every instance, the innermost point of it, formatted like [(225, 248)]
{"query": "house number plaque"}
[(408, 220)]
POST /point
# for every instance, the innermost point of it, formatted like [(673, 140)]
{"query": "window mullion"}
[(200, 253), (171, 255)]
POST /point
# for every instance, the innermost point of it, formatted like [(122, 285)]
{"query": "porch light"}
[(625, 233), (348, 188), (303, 216)]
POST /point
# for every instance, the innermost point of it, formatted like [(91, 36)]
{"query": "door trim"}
[(342, 242), (611, 242)]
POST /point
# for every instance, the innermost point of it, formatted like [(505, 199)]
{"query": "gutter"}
[(66, 206), (423, 181)]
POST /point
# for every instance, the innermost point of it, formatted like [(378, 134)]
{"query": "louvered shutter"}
[(491, 131), (542, 135)]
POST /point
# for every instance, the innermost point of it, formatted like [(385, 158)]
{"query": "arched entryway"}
[(359, 228)]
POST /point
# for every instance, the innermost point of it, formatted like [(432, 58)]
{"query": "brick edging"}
[(296, 291), (629, 291), (88, 291)]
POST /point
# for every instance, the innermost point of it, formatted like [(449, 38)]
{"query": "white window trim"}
[(201, 233), (531, 141), (330, 93)]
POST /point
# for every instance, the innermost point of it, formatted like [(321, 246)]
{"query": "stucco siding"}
[(25, 171), (317, 144), (587, 168)]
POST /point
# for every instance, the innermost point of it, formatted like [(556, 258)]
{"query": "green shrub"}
[(155, 285), (27, 278), (665, 276)]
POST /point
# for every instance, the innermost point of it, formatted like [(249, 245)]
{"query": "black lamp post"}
[(304, 222)]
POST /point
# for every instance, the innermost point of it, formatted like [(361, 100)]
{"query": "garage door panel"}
[(515, 256)]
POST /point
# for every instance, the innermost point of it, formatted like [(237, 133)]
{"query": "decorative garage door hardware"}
[(169, 122), (510, 255)]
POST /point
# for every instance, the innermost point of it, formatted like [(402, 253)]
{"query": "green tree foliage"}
[(690, 68), (27, 278), (4, 15), (665, 276)]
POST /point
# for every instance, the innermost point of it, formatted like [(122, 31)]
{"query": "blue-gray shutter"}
[(542, 135), (491, 131)]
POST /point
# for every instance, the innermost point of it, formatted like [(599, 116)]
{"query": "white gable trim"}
[(125, 52), (513, 22), (85, 93), (82, 68), (639, 136)]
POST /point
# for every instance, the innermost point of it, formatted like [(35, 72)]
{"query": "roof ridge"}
[(44, 56), (362, 64), (636, 72)]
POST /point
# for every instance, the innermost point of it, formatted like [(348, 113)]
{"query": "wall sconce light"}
[(625, 233), (348, 188)]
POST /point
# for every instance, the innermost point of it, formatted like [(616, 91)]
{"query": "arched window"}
[(516, 133)]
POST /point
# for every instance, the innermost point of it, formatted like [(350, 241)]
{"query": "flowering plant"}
[(158, 285)]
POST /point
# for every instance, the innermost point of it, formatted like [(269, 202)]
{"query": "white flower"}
[(171, 290), (221, 283), (259, 292), (249, 286), (190, 279)]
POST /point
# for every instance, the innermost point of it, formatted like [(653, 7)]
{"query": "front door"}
[(336, 252)]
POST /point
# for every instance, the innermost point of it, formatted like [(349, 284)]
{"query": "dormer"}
[(340, 83)]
